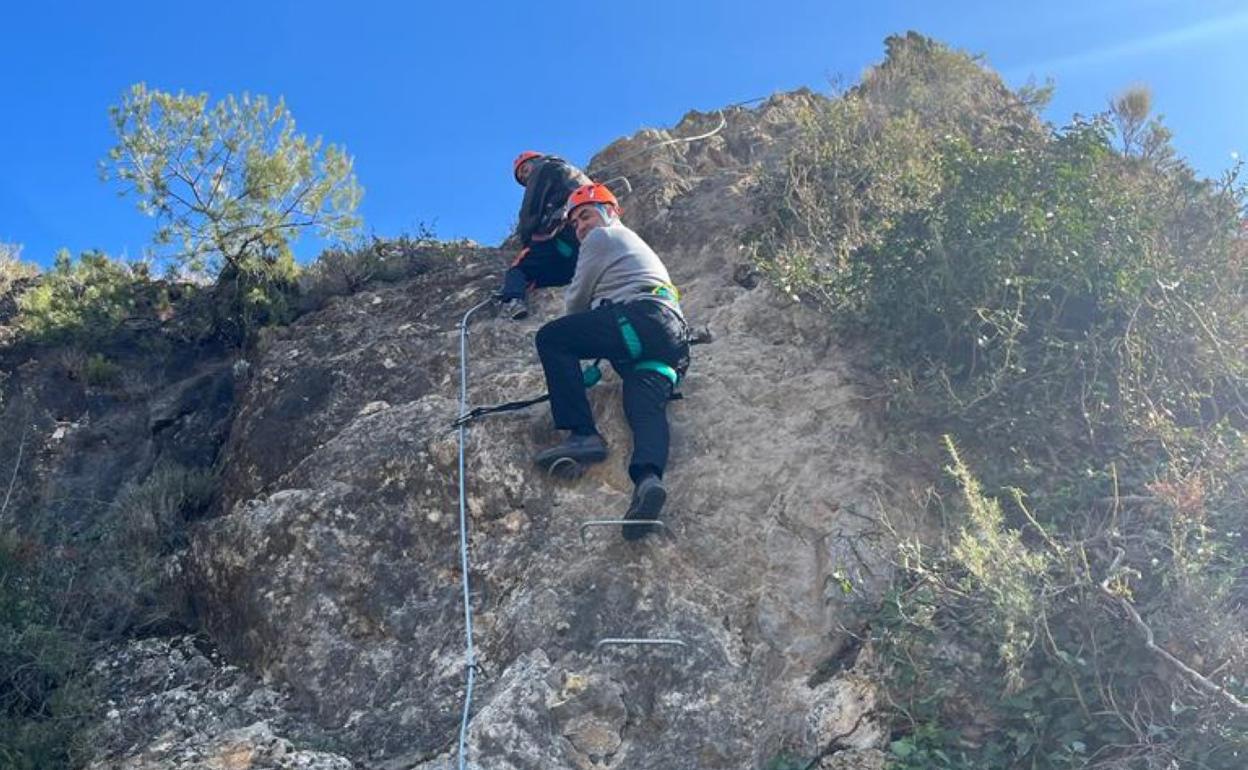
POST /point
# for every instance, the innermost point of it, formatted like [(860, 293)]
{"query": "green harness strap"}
[(631, 340), (660, 367), (564, 248), (633, 343)]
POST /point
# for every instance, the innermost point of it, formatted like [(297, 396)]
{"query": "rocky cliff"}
[(325, 573)]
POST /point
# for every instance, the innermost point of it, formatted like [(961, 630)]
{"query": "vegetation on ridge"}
[(231, 186), (1069, 305)]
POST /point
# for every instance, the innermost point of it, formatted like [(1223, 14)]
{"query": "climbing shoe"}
[(515, 308), (648, 498), (582, 450)]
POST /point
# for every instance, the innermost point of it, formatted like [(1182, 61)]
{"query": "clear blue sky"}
[(434, 99)]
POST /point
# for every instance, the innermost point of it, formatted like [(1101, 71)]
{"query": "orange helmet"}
[(591, 193), (519, 161)]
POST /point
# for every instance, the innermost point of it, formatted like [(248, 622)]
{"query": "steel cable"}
[(470, 655), (723, 122)]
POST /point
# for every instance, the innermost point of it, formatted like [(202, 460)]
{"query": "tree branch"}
[(17, 464), (187, 204), (835, 744), (1199, 680), (216, 185)]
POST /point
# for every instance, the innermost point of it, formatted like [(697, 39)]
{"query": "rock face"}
[(79, 444), (82, 460), (331, 567), (178, 704)]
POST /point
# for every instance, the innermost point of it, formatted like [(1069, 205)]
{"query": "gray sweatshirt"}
[(615, 264)]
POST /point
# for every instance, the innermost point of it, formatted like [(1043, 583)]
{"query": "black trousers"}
[(563, 343), (545, 263)]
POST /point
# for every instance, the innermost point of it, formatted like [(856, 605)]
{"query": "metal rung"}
[(684, 648), (628, 186), (620, 523), (565, 468)]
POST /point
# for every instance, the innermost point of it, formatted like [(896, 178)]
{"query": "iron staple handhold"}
[(640, 642), (620, 523), (628, 186)]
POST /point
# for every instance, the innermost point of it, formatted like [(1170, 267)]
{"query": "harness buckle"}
[(666, 291)]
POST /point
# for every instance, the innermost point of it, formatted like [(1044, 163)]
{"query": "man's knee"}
[(547, 337)]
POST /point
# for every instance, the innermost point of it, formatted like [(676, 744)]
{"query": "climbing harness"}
[(666, 291), (592, 374), (470, 655), (633, 342)]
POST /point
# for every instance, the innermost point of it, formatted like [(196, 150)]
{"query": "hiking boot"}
[(648, 499), (582, 450), (516, 308)]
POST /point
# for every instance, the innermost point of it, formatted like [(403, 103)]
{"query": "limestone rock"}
[(248, 748), (331, 566), (176, 704)]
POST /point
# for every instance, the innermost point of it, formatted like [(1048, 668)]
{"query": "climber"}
[(548, 244), (621, 306)]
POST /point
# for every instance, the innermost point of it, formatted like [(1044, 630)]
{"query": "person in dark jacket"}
[(621, 306), (549, 246)]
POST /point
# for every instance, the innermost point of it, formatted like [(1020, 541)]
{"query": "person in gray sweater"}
[(621, 306)]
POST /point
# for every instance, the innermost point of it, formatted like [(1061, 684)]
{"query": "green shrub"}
[(82, 302), (1002, 265), (101, 372), (1001, 569), (253, 293), (61, 592), (343, 270), (125, 586), (152, 515), (927, 747), (786, 762), (42, 699), (348, 268), (12, 269), (1001, 653), (98, 304), (1076, 315)]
